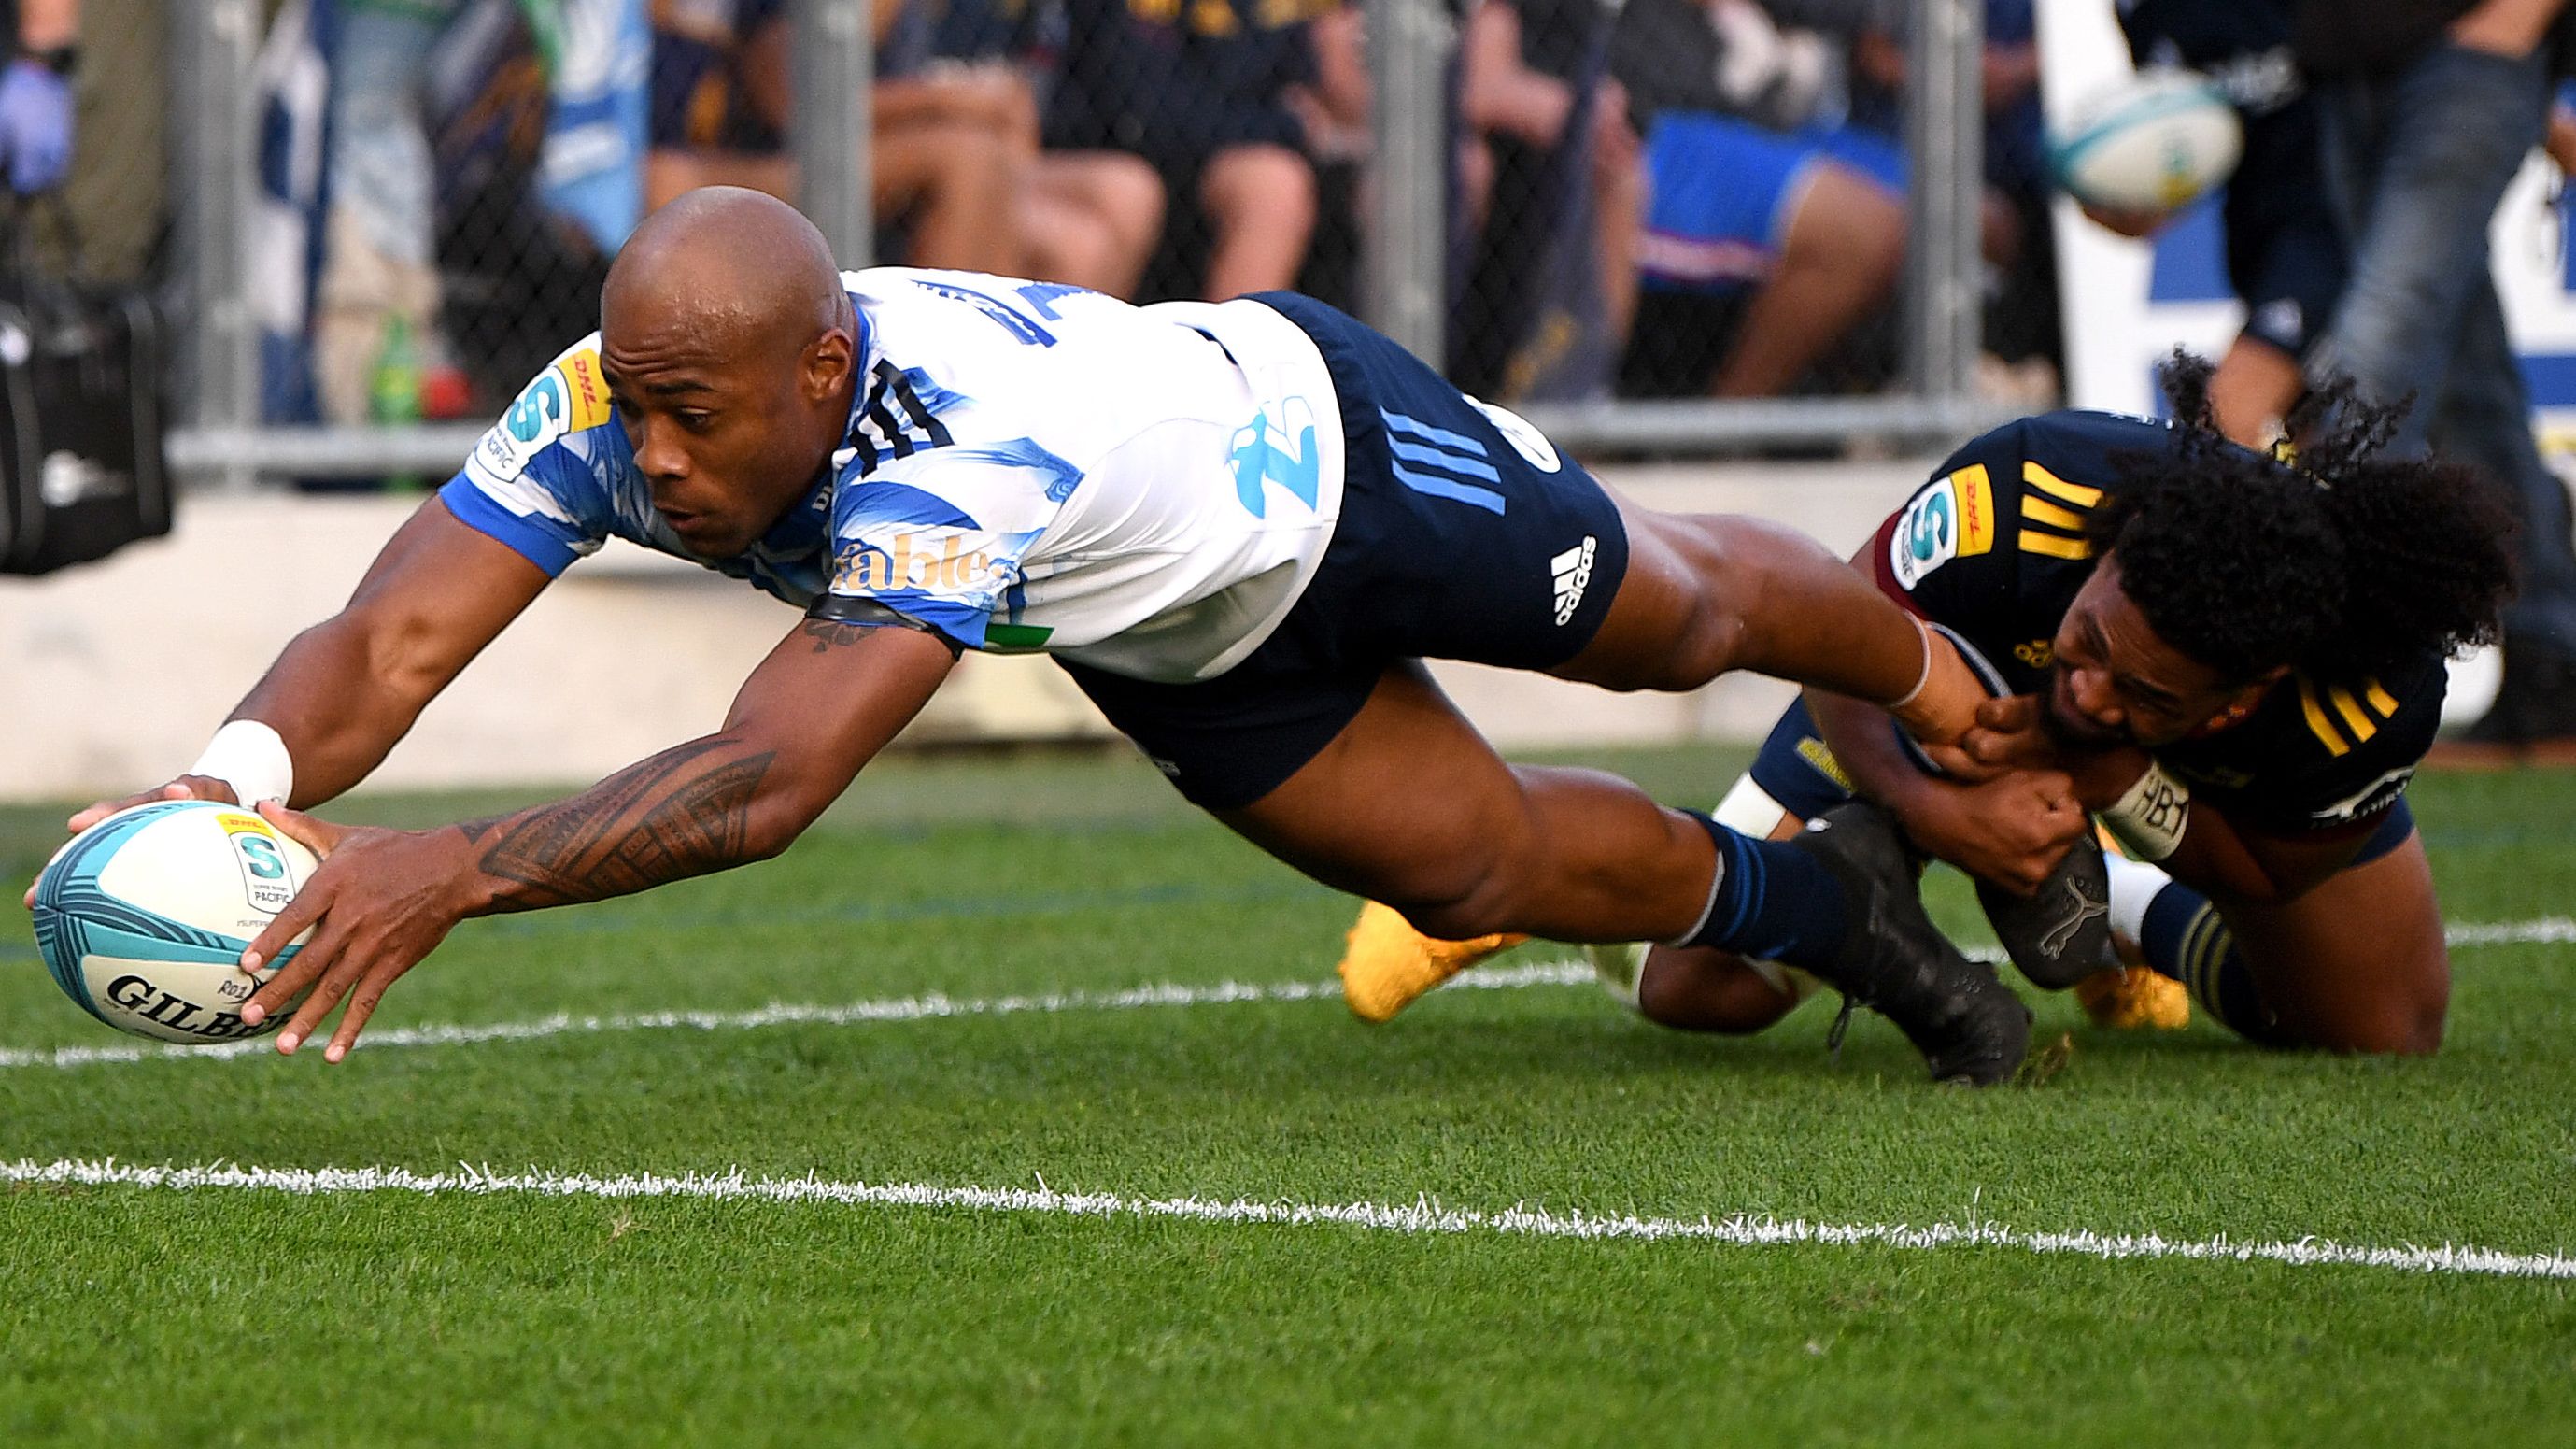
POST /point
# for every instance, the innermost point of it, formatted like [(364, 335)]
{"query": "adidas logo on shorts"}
[(1573, 571)]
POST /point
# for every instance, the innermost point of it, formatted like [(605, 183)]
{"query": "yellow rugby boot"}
[(2133, 998), (1388, 963)]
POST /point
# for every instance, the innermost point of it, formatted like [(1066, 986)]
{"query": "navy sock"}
[(2183, 937), (1772, 902)]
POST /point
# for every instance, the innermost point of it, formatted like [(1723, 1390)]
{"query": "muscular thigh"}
[(1409, 805), (1673, 624), (1406, 803), (2358, 963)]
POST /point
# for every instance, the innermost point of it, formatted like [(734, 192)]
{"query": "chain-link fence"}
[(1659, 224)]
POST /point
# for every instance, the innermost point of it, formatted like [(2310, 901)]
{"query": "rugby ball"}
[(143, 917), (2153, 144)]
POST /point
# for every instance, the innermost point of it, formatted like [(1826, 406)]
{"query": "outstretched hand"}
[(382, 900)]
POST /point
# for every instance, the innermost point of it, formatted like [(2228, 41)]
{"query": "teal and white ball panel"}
[(2152, 145), (142, 919)]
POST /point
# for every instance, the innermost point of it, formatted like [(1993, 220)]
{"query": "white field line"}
[(933, 1006), (1424, 1215), (2548, 930)]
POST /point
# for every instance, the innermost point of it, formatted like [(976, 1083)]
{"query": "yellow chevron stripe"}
[(2379, 699), (2054, 546), (2362, 725), (2317, 725), (2047, 482), (2040, 510)]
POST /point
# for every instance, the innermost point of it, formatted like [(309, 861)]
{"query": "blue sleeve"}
[(534, 481), (545, 542)]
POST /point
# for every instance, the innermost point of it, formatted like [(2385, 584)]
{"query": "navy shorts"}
[(1796, 769), (1455, 542)]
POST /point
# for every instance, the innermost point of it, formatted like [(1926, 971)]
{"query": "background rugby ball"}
[(2153, 144), (142, 919)]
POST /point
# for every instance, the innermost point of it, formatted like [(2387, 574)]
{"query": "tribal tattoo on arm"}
[(684, 812)]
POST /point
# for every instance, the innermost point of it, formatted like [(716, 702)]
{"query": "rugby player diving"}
[(1238, 526)]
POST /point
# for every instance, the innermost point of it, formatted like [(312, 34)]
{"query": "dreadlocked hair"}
[(2339, 561)]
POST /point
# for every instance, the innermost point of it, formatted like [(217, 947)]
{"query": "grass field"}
[(966, 930)]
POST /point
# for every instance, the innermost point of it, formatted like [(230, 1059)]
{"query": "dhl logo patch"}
[(1976, 510), (585, 390)]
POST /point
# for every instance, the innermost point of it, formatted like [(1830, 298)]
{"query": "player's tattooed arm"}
[(684, 812), (799, 731), (830, 695)]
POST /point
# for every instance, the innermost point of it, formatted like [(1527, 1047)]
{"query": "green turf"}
[(220, 1316)]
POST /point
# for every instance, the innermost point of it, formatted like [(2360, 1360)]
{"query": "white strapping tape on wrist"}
[(250, 757), (2148, 819)]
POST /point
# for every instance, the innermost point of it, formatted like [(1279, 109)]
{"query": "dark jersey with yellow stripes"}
[(1994, 548)]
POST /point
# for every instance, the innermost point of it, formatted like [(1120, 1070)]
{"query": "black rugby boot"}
[(1968, 1024), (2061, 933)]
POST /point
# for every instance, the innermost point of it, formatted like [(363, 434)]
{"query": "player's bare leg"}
[(1697, 989), (1388, 964), (1708, 593), (2356, 964), (1679, 621), (1409, 806)]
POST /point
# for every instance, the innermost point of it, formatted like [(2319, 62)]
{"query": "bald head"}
[(726, 274), (730, 353)]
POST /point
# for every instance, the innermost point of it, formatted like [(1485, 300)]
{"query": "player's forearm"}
[(705, 806), (1863, 741), (339, 707), (1801, 614), (817, 710)]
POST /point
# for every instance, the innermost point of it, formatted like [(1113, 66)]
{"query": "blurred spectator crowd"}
[(1646, 198), (1666, 197)]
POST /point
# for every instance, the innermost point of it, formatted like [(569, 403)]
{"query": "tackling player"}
[(2237, 662), (1239, 526)]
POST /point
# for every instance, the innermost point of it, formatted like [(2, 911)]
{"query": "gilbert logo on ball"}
[(143, 917)]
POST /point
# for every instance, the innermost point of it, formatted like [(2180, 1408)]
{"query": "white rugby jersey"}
[(1027, 466)]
